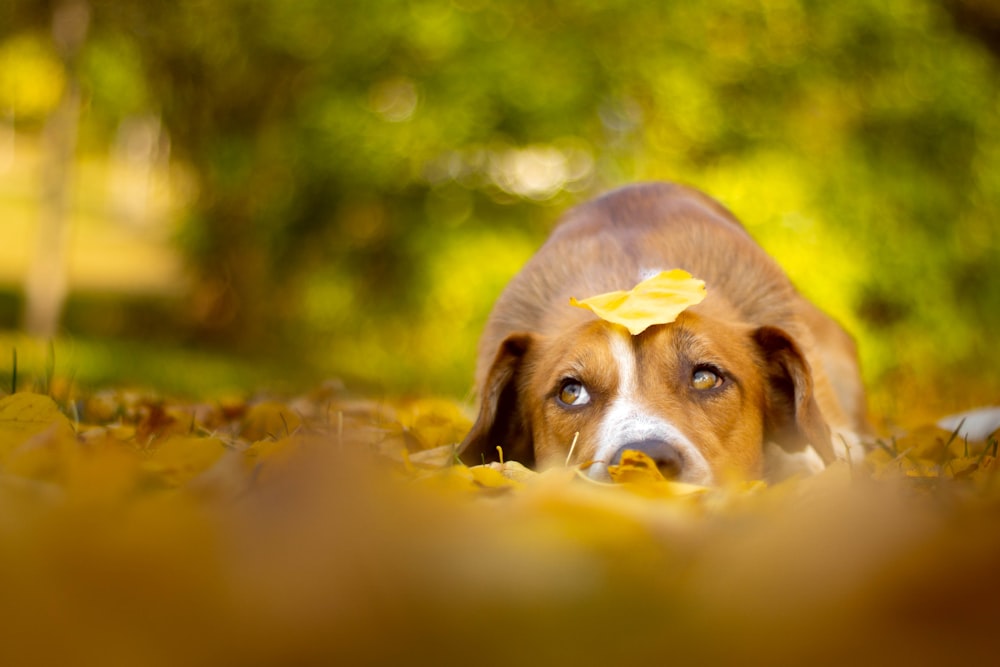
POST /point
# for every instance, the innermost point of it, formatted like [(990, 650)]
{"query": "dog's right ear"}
[(793, 418), (502, 421)]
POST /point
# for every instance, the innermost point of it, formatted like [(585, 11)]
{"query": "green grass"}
[(82, 364)]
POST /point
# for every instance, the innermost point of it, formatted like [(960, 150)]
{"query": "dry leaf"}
[(201, 531), (269, 420), (433, 422), (25, 415), (178, 459), (656, 300), (635, 467)]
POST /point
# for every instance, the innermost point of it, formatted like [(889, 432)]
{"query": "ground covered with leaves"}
[(329, 530)]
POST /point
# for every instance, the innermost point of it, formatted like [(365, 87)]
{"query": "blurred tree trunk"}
[(46, 287)]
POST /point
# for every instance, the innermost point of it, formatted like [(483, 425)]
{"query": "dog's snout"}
[(664, 455)]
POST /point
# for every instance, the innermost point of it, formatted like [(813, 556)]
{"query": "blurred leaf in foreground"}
[(335, 542), (25, 415)]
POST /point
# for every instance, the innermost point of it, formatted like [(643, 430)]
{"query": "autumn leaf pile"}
[(329, 530)]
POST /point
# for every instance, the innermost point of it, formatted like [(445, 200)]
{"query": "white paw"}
[(974, 425)]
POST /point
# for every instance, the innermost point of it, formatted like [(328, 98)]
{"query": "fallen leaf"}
[(272, 452), (25, 415), (434, 459), (656, 300), (269, 419), (635, 467), (493, 477), (178, 459), (433, 422)]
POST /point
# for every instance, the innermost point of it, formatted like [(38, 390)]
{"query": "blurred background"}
[(200, 196)]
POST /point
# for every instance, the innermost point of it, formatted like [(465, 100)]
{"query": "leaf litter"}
[(328, 529)]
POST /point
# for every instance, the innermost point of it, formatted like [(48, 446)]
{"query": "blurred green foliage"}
[(370, 173)]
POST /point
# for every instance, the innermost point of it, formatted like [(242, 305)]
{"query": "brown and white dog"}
[(752, 366)]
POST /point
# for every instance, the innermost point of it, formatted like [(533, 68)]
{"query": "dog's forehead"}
[(691, 332), (695, 335)]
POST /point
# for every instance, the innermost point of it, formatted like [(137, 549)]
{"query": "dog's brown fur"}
[(791, 371)]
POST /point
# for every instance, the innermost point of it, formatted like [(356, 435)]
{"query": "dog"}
[(753, 371)]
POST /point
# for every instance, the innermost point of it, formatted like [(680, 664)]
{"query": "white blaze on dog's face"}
[(689, 394)]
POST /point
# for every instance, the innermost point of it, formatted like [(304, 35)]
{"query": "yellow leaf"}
[(986, 468), (656, 300), (107, 475), (922, 468), (635, 467), (180, 458), (270, 419), (433, 422), (927, 442), (639, 472), (25, 415), (46, 456), (270, 456), (509, 474), (272, 451), (433, 459), (962, 467)]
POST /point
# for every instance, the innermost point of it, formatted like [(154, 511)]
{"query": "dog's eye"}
[(705, 378), (573, 393)]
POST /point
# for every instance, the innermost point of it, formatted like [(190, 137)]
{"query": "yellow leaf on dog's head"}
[(656, 300)]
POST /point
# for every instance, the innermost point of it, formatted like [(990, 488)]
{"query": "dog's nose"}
[(664, 455)]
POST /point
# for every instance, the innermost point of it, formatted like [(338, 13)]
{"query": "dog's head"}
[(700, 396)]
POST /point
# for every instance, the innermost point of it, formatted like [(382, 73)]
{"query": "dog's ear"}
[(792, 416), (502, 421)]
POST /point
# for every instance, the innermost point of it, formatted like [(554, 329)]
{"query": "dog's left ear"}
[(502, 421), (792, 417)]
